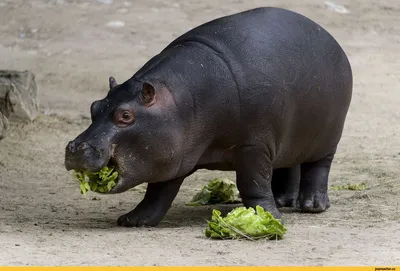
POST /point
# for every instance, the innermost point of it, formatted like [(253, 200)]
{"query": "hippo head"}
[(135, 129)]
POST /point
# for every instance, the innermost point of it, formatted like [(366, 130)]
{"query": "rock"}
[(3, 126), (18, 94)]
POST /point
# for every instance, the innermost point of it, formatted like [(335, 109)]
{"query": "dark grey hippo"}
[(264, 93)]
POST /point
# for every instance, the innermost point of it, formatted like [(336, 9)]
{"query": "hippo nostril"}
[(83, 146), (72, 146)]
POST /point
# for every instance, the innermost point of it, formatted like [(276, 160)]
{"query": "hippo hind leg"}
[(285, 186), (313, 194)]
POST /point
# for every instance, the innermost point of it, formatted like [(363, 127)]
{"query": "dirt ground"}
[(44, 220)]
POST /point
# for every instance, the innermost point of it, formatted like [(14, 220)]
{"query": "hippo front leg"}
[(154, 206), (253, 177)]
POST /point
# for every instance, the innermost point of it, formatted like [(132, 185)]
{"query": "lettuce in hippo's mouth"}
[(100, 182)]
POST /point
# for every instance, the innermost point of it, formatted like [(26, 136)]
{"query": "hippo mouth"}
[(121, 184), (125, 180), (120, 187), (112, 163)]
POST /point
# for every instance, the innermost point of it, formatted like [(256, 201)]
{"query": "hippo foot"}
[(274, 212), (285, 200), (265, 203), (140, 217), (313, 203)]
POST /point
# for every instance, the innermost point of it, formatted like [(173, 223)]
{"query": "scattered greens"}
[(219, 190), (242, 223), (358, 187), (100, 182)]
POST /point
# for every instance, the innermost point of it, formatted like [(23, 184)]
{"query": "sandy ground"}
[(45, 221)]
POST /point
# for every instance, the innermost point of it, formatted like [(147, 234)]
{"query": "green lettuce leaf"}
[(100, 182), (245, 223), (219, 190)]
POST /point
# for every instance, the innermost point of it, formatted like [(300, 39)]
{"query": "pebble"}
[(67, 52), (122, 10), (176, 5), (116, 24), (336, 7), (107, 2), (84, 5)]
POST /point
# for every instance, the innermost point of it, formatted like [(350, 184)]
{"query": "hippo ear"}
[(112, 82), (148, 93)]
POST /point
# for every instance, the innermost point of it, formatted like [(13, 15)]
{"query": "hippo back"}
[(289, 72)]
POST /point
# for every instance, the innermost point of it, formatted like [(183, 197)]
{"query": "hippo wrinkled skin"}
[(264, 93)]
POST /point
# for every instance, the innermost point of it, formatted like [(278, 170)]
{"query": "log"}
[(18, 94)]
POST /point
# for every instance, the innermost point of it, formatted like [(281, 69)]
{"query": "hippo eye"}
[(126, 115), (123, 118)]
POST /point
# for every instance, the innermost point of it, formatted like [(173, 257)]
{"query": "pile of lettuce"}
[(100, 182), (218, 190), (245, 223)]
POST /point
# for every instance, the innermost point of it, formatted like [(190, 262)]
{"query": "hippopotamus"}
[(264, 93)]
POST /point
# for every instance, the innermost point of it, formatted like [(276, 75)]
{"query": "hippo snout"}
[(83, 156)]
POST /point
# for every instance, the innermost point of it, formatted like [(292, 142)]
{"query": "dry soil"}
[(44, 220)]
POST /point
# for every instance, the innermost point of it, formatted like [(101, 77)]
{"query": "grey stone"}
[(18, 94), (3, 126)]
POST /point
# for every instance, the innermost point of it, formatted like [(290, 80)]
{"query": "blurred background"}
[(72, 47)]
